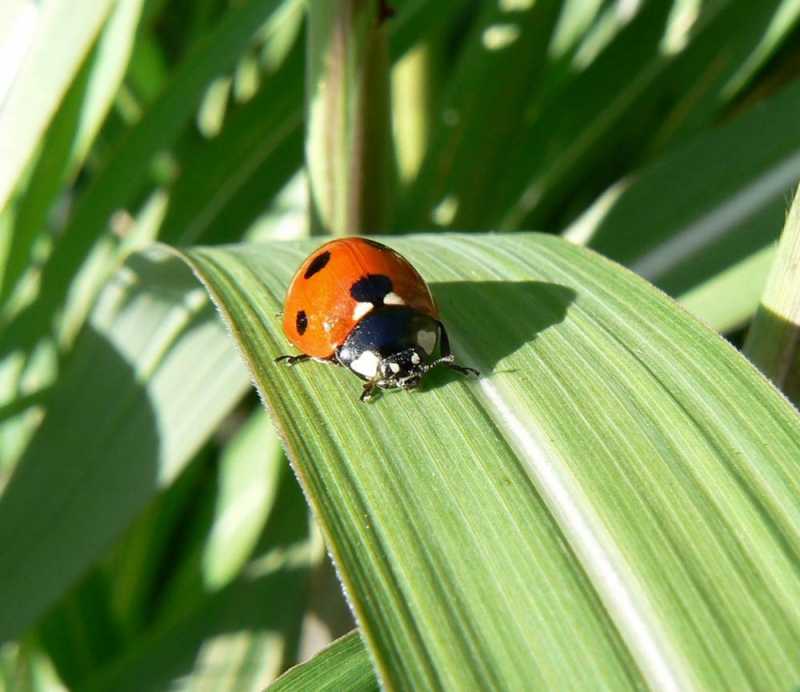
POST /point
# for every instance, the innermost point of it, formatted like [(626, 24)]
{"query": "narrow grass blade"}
[(69, 136), (63, 36), (773, 342), (729, 299), (730, 202), (559, 521), (250, 469), (344, 665), (251, 146)]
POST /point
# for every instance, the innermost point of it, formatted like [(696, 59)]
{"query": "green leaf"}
[(728, 300), (61, 35), (249, 470), (645, 92), (24, 668), (772, 342), (154, 373), (706, 206), (344, 665), (614, 499), (126, 171), (251, 147), (70, 134), (238, 638), (526, 139)]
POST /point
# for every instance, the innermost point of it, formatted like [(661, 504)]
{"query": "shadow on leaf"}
[(494, 319)]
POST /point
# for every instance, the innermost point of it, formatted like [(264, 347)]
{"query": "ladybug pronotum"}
[(359, 304)]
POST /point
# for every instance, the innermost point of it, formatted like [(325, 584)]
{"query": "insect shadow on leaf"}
[(493, 319)]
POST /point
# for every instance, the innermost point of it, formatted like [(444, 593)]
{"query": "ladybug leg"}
[(293, 360), (463, 369), (368, 392), (448, 359)]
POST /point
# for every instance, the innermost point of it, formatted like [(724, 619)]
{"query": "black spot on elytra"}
[(301, 322), (317, 264), (371, 288)]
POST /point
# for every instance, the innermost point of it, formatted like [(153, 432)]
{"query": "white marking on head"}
[(391, 298), (394, 367), (327, 325), (415, 358), (361, 309), (427, 340), (366, 364)]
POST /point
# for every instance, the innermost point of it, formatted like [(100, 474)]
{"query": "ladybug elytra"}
[(359, 304)]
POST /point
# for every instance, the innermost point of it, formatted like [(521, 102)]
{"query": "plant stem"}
[(773, 342), (348, 145)]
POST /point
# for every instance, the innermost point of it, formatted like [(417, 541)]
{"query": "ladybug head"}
[(404, 368)]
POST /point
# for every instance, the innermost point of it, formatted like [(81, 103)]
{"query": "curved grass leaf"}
[(729, 205), (344, 665), (772, 342), (70, 134), (63, 35), (151, 375), (614, 499), (249, 472)]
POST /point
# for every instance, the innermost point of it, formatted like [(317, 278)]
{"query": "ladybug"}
[(359, 304)]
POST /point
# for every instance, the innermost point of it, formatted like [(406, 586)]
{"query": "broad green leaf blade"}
[(344, 665), (151, 376), (63, 34), (558, 522), (772, 342)]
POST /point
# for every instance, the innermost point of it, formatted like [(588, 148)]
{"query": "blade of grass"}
[(773, 342), (70, 134), (505, 54), (344, 665), (729, 204), (63, 36), (217, 171), (249, 470), (728, 300), (660, 99)]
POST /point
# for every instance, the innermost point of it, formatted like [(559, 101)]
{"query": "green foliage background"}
[(151, 533)]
